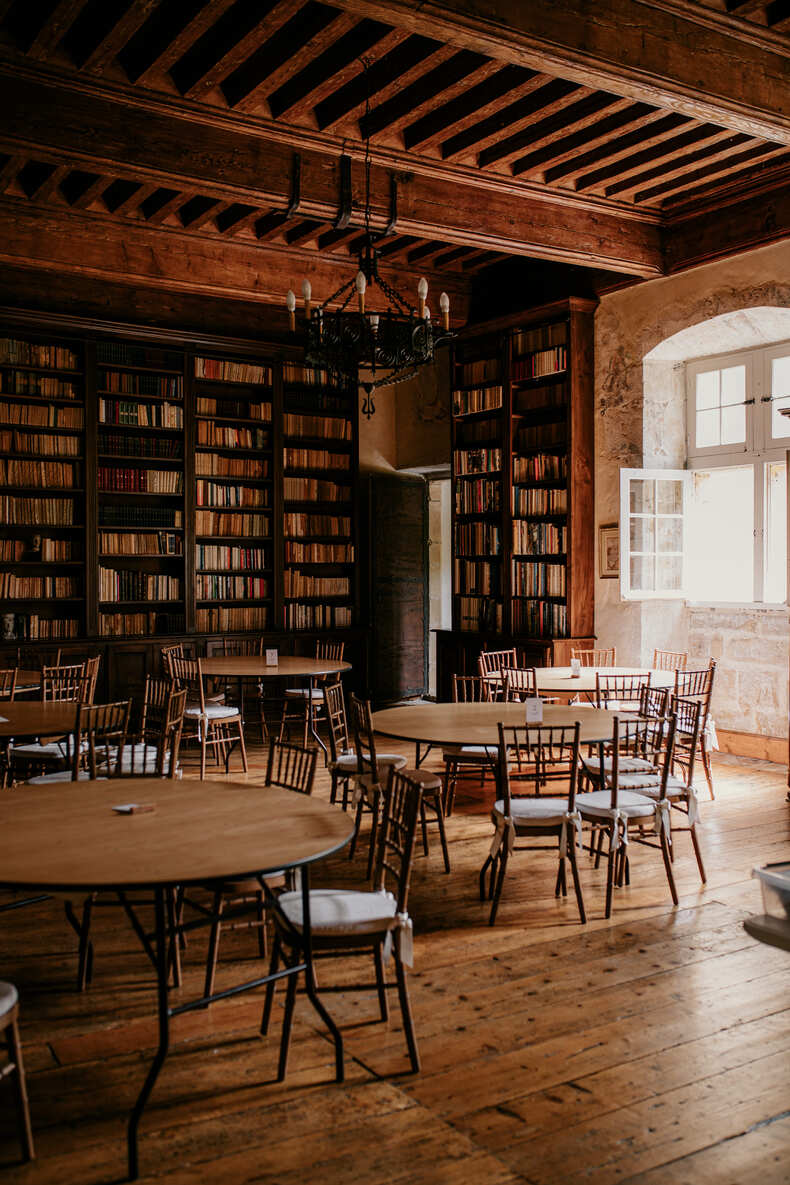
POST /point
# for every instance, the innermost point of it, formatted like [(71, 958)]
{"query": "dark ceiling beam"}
[(674, 148), (59, 241), (581, 114), (160, 43), (666, 55), (509, 83), (470, 143), (438, 86), (54, 28), (121, 30), (181, 154), (663, 128), (758, 156), (566, 147), (9, 170)]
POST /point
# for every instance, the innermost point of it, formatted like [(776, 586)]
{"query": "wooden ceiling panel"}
[(481, 100), (581, 114), (726, 166), (718, 147), (617, 147), (608, 175), (166, 36), (564, 148), (542, 102)]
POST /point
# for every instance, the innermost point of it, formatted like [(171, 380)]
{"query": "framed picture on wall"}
[(609, 551)]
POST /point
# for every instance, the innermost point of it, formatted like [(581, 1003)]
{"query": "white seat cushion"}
[(9, 998), (480, 754), (61, 775), (212, 712), (536, 812), (598, 804), (345, 764), (303, 692), (51, 751), (676, 788), (626, 764), (141, 759), (342, 911)]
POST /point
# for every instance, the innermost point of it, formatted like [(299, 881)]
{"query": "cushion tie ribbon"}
[(505, 834), (575, 818), (662, 818)]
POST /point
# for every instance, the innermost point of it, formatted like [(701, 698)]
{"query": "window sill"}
[(753, 606)]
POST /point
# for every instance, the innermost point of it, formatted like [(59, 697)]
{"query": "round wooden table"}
[(255, 666), (554, 680), (27, 681), (67, 838), (30, 718), (476, 724)]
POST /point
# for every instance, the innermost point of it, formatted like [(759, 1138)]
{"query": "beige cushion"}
[(62, 775), (303, 692), (536, 812), (212, 712), (345, 764), (9, 997), (598, 804), (342, 911)]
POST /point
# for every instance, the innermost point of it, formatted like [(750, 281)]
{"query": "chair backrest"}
[(335, 709), (689, 713), (91, 678), (402, 799), (362, 731), (33, 660), (492, 661), (64, 684), (619, 689), (185, 672), (670, 660), (329, 651), (8, 683), (602, 657), (650, 740), (541, 754), (168, 652), (470, 689), (160, 727), (291, 767), (696, 685), (519, 683), (101, 739), (242, 647), (654, 701)]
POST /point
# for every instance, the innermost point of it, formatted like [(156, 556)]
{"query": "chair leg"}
[(706, 767), (243, 747), (424, 828), (175, 948), (218, 906), (487, 864), (378, 956), (260, 913), (698, 853), (85, 952), (203, 741), (405, 1007), (610, 870), (20, 1090), (285, 1039), (374, 829), (500, 880), (442, 834), (668, 866), (357, 824), (575, 872), (270, 987)]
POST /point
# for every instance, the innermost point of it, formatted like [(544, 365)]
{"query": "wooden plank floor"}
[(653, 1048)]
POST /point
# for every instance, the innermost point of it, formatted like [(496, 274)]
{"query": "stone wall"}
[(639, 422)]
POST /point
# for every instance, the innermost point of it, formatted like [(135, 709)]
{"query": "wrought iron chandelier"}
[(387, 347)]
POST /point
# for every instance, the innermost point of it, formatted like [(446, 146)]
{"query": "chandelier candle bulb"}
[(444, 305), (422, 293), (361, 286), (374, 322), (307, 293), (290, 304)]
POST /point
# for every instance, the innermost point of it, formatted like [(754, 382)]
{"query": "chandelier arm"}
[(393, 295)]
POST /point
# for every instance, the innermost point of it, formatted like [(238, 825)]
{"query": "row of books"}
[(125, 354), (225, 436), (531, 579), (307, 375), (315, 458), (477, 497), (125, 382), (315, 524), (118, 584), (532, 399), (139, 516), (531, 500), (60, 474), (32, 627), (482, 370), (40, 443), (479, 613), (475, 432), (19, 353), (302, 584), (141, 415), (18, 588), (540, 619), (36, 512), (317, 617), (48, 551), (312, 489), (528, 341), (536, 366), (139, 481), (231, 588), (530, 538), (476, 577), (113, 625), (211, 493), (242, 409), (213, 465), (116, 444), (540, 467), (540, 436), (330, 427), (223, 524), (223, 370), (477, 399), (42, 417), (209, 555), (47, 386), (477, 539), (218, 620), (318, 553), (142, 543), (478, 460)]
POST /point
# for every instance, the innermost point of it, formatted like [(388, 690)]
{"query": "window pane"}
[(670, 573), (642, 579), (733, 385), (707, 428), (669, 497), (721, 535), (733, 425), (642, 534), (708, 389), (641, 496), (775, 532), (780, 393), (670, 534)]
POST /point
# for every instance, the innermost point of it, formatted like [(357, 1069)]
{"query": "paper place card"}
[(3, 720), (534, 708), (271, 658), (134, 808)]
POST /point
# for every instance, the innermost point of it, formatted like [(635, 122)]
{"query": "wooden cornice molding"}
[(703, 236), (647, 51)]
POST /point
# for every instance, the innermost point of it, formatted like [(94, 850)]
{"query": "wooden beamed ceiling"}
[(586, 134)]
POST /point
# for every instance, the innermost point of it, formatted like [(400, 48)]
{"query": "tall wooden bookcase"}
[(522, 497), (164, 489)]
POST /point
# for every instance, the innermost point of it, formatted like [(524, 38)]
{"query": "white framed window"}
[(733, 520)]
